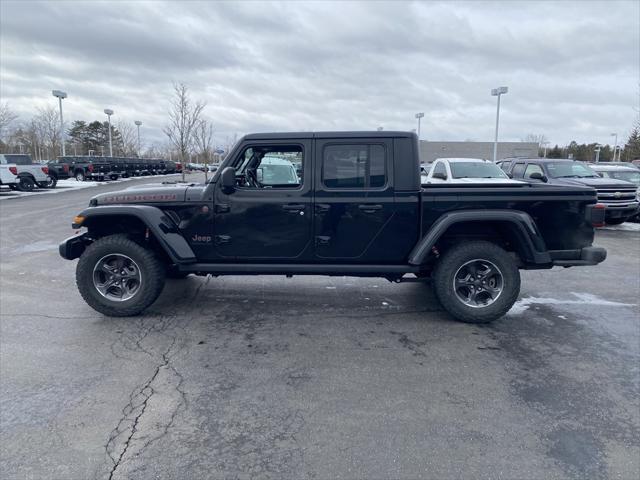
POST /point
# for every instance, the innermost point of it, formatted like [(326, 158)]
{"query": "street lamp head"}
[(420, 115), (59, 93), (138, 122), (108, 111), (499, 91)]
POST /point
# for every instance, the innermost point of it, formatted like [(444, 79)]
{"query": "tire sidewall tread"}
[(461, 253), (152, 269)]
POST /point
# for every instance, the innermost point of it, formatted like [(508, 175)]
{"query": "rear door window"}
[(518, 170), (354, 166)]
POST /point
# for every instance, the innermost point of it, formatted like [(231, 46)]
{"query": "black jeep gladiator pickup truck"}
[(336, 203)]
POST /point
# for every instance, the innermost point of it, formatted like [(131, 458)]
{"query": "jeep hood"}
[(148, 193)]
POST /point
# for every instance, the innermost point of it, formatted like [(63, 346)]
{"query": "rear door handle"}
[(366, 208), (322, 207), (222, 208)]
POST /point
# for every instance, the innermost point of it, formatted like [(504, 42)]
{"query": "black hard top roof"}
[(350, 134)]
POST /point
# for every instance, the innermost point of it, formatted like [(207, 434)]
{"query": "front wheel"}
[(80, 176), (476, 282), (51, 182), (118, 277)]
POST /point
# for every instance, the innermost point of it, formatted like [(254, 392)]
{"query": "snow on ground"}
[(72, 184), (627, 226), (523, 304)]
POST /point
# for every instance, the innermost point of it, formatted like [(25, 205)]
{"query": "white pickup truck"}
[(29, 174), (8, 174), (466, 170)]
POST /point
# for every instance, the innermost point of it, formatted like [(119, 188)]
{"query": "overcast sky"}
[(572, 68)]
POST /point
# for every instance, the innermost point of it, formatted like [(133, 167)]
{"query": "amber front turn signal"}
[(78, 219)]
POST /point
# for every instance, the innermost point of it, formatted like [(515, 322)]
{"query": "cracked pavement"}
[(312, 377)]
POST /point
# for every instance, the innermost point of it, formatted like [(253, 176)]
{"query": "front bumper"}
[(72, 247), (580, 257), (620, 211)]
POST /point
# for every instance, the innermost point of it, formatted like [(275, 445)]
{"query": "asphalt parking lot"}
[(312, 377)]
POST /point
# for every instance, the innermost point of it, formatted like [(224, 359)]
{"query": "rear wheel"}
[(118, 277), (476, 282), (26, 184)]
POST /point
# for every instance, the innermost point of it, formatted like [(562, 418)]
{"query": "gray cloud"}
[(572, 68)]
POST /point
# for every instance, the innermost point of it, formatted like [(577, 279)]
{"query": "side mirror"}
[(440, 175), (259, 174), (228, 179), (538, 176)]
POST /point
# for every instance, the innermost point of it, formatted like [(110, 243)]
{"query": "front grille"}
[(616, 195)]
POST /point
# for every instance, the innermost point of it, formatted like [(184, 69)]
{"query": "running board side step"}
[(298, 269)]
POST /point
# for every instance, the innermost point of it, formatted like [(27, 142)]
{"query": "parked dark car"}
[(356, 209), (618, 196), (59, 169)]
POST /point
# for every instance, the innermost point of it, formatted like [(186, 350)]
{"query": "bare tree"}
[(184, 115), (7, 117), (128, 138), (203, 139)]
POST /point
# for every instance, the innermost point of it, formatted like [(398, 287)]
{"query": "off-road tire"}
[(51, 182), (26, 184), (151, 268), (458, 255)]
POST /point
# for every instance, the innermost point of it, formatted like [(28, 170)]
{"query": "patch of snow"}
[(385, 303), (627, 227), (523, 304)]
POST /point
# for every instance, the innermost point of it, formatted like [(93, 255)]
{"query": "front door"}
[(268, 216), (354, 200)]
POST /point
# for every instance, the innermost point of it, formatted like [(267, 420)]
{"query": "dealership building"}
[(429, 150)]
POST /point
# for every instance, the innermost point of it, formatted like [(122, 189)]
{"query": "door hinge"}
[(220, 239), (322, 240)]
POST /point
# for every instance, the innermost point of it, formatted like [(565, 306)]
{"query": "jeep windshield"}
[(476, 170), (570, 170)]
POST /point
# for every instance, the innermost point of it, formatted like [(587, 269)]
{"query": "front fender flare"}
[(161, 225), (531, 244)]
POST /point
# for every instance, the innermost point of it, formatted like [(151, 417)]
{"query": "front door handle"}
[(367, 208), (293, 207)]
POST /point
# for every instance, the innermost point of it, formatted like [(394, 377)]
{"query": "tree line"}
[(190, 134)]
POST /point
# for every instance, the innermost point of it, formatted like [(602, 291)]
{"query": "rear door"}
[(354, 199)]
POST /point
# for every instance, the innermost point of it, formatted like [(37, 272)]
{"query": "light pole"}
[(597, 150), (138, 123), (109, 112), (496, 92), (60, 94), (419, 116), (615, 146)]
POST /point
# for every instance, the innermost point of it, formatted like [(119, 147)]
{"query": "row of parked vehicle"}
[(82, 167), (616, 183), (20, 172)]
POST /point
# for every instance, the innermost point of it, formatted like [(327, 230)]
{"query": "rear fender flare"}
[(531, 245), (163, 228)]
